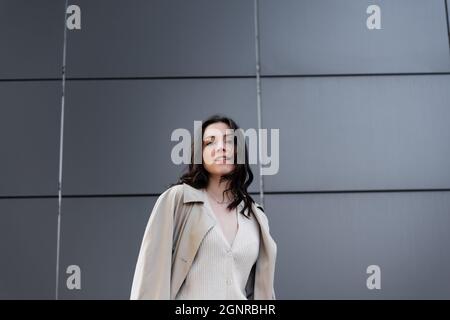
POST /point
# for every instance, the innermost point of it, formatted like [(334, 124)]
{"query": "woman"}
[(206, 237)]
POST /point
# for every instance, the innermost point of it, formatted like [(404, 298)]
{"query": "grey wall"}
[(364, 128)]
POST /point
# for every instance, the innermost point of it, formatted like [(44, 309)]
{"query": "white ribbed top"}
[(220, 271)]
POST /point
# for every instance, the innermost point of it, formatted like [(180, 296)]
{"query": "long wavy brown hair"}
[(239, 179)]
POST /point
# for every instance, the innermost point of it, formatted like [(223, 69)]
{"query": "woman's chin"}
[(221, 169)]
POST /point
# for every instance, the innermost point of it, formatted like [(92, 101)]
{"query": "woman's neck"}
[(216, 188)]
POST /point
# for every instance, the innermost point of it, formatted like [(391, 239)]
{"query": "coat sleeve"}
[(152, 274)]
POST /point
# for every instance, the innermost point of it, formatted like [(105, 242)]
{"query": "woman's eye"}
[(229, 141)]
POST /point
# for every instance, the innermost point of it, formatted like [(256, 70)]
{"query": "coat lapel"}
[(198, 223)]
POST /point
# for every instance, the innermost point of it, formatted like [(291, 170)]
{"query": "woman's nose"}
[(220, 145)]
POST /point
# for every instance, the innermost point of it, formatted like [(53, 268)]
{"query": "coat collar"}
[(191, 194)]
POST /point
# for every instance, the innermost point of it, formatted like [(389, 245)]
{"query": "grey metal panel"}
[(353, 133), (117, 133), (31, 34), (162, 38), (329, 37), (29, 137), (28, 248), (326, 242), (102, 236)]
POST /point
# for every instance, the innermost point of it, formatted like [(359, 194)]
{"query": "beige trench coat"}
[(177, 225)]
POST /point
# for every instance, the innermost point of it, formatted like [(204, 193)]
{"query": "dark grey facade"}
[(364, 119)]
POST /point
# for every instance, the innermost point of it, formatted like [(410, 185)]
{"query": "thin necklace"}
[(219, 202)]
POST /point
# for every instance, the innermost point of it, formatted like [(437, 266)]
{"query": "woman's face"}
[(218, 149)]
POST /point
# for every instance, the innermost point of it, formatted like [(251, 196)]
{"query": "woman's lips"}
[(222, 159)]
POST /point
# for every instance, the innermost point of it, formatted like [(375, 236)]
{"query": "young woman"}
[(206, 237)]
